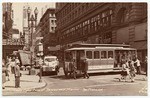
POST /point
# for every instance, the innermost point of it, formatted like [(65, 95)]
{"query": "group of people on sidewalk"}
[(84, 68), (11, 66), (130, 68)]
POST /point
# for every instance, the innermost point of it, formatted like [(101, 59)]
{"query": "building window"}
[(105, 18), (53, 29), (123, 15), (108, 38), (52, 21)]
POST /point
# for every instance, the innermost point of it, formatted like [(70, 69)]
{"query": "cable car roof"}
[(80, 48), (103, 48), (108, 48), (126, 49), (100, 45)]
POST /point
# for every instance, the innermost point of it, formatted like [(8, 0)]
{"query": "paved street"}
[(97, 84)]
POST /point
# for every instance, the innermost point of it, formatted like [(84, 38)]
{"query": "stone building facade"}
[(109, 23), (47, 26)]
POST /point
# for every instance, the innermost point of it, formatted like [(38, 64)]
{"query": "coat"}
[(72, 66), (17, 71), (84, 66)]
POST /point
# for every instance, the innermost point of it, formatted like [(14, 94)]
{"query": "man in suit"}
[(85, 68), (17, 75)]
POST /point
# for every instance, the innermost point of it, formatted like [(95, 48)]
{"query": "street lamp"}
[(40, 54), (32, 20)]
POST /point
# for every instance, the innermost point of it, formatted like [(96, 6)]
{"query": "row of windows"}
[(68, 15), (98, 54), (91, 25)]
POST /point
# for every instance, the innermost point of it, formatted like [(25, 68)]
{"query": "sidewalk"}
[(27, 83)]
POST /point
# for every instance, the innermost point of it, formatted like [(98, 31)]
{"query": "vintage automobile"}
[(51, 64)]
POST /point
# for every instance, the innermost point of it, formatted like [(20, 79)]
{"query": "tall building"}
[(37, 37), (12, 39), (25, 26), (97, 23), (7, 19), (47, 28)]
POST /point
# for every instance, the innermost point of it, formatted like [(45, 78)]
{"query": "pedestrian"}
[(12, 65), (8, 70), (9, 67), (125, 71), (85, 68), (17, 60), (138, 66), (17, 75), (73, 68), (3, 73), (132, 70), (145, 64)]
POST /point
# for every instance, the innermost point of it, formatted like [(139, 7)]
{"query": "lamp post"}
[(32, 20), (40, 54)]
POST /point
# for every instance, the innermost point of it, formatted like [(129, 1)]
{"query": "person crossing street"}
[(85, 68)]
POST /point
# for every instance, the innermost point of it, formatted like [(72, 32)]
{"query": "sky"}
[(18, 11)]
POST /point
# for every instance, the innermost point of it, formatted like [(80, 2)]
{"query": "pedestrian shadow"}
[(26, 81), (60, 77), (142, 79), (63, 77), (103, 73), (10, 86)]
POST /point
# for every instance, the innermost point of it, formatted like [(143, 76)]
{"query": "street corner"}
[(25, 86), (37, 86), (12, 89)]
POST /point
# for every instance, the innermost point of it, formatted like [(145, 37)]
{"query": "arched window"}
[(123, 15)]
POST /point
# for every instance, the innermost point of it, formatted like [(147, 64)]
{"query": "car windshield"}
[(50, 59)]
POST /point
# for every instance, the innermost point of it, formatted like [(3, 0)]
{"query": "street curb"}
[(41, 86), (37, 88), (28, 89)]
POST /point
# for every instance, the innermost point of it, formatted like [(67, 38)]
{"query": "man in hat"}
[(85, 68), (17, 75)]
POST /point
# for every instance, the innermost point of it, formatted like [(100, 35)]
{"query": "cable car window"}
[(96, 54), (82, 54), (103, 55), (73, 54), (89, 54), (110, 54)]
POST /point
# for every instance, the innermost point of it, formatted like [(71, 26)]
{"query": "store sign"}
[(13, 42)]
